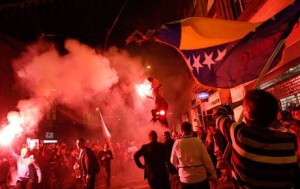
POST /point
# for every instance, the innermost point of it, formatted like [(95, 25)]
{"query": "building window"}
[(289, 102)]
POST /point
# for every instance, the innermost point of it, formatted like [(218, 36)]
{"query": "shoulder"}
[(179, 140), (144, 146), (182, 140), (267, 135)]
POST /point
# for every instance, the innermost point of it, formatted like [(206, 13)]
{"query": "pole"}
[(113, 25)]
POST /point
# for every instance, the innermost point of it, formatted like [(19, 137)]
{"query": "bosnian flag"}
[(223, 53)]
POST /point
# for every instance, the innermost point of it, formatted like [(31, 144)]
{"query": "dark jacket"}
[(105, 157), (155, 158), (88, 162), (169, 145)]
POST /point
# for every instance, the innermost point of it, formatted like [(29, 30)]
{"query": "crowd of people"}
[(260, 152), (63, 166)]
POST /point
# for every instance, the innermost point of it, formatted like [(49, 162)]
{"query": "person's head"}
[(260, 108), (186, 128), (25, 152), (106, 146), (167, 135), (80, 143), (296, 113), (152, 136)]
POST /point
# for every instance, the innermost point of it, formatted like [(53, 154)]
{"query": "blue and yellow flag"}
[(223, 53)]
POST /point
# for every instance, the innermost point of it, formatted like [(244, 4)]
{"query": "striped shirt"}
[(261, 158)]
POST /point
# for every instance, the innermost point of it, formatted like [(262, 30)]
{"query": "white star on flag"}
[(197, 64), (208, 60), (221, 54)]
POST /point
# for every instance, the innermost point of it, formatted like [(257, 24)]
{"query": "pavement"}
[(133, 178), (121, 183)]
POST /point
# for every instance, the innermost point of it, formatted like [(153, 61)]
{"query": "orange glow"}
[(10, 131)]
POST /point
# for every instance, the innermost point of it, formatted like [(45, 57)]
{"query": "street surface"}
[(119, 183), (133, 178)]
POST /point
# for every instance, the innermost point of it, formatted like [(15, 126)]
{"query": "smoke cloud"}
[(85, 81)]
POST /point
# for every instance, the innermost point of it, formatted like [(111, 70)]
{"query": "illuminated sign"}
[(203, 95), (50, 141)]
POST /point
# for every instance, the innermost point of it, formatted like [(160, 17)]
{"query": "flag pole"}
[(270, 61), (266, 68), (256, 85)]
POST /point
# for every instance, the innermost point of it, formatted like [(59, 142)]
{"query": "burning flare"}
[(144, 89), (10, 131)]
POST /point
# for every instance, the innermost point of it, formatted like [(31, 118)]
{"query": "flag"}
[(106, 133), (223, 53)]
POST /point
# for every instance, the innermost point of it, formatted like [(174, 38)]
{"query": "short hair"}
[(167, 134), (186, 127), (153, 135), (261, 106)]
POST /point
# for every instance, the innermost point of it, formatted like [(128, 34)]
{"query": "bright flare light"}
[(144, 90), (9, 132), (162, 112)]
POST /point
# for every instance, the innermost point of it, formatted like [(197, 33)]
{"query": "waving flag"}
[(224, 54), (106, 133)]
